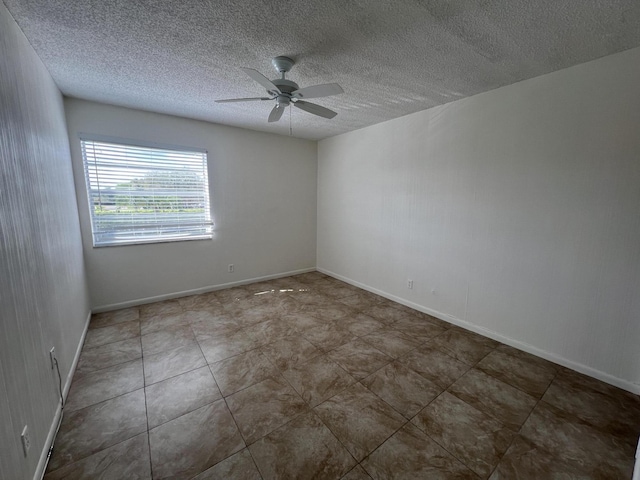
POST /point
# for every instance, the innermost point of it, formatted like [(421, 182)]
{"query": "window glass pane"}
[(142, 194)]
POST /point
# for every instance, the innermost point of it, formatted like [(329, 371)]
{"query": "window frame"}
[(207, 224)]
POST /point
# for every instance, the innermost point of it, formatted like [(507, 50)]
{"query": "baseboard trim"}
[(53, 430), (196, 291), (552, 357)]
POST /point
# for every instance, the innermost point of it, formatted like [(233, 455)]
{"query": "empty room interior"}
[(319, 240)]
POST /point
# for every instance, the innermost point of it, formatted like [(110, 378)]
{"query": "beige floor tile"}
[(281, 351), (421, 329), (527, 376), (310, 296), (167, 307), (338, 291), (318, 379), (607, 409), (265, 406), (106, 319), (310, 277), (97, 358), (328, 336), (495, 398), (199, 302), (181, 394), (303, 448), (434, 365), (361, 324), (329, 311), (230, 295), (209, 325), (358, 358), (388, 314), (555, 430), (392, 342), (163, 365), (255, 314), (194, 442), (162, 322), (525, 461), (168, 339), (402, 388), (92, 429), (358, 301), (95, 387), (360, 419), (113, 333), (128, 459), (527, 357), (290, 352), (239, 466), (469, 348), (269, 331), (358, 473), (473, 437), (242, 371), (225, 346), (410, 454)]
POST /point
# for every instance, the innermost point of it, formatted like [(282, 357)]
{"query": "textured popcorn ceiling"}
[(391, 57)]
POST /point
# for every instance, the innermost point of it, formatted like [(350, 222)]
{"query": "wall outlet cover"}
[(26, 440)]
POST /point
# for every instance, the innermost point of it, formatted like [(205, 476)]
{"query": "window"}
[(142, 194)]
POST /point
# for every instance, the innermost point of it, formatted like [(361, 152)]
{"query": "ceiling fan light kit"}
[(286, 92)]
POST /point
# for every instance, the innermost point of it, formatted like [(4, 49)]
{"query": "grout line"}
[(146, 409), (102, 369), (102, 449), (276, 428), (517, 434), (67, 465), (450, 393), (435, 440), (336, 437), (106, 399), (254, 461), (246, 445)]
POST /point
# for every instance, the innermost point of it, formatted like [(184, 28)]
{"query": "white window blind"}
[(140, 194)]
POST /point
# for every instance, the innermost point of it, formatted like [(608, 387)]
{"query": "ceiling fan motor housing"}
[(286, 88)]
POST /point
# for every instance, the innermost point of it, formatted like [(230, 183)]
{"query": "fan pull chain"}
[(290, 129)]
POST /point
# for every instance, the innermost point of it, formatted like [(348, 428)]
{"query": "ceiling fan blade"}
[(315, 109), (317, 91), (261, 79), (229, 100), (276, 113)]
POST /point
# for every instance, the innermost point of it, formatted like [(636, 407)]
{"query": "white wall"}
[(43, 295), (516, 211), (263, 199)]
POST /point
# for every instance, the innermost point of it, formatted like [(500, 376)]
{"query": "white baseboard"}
[(552, 357), (196, 291), (53, 430)]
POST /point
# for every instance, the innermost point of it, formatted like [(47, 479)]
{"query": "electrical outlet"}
[(52, 357), (231, 268), (410, 284), (26, 440)]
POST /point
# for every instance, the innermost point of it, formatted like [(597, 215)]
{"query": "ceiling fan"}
[(286, 93)]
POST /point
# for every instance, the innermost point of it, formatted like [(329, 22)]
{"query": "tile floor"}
[(308, 377)]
